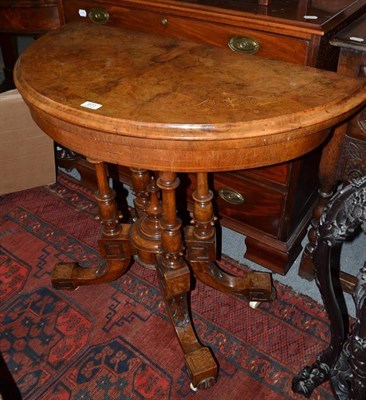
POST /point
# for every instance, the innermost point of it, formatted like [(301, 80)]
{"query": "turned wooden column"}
[(175, 282), (114, 245), (174, 107)]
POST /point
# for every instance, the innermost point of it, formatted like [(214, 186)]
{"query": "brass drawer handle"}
[(231, 196), (98, 15), (242, 44), (164, 21)]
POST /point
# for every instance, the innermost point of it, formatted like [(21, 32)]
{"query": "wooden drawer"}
[(278, 174), (261, 207), (269, 45), (33, 17)]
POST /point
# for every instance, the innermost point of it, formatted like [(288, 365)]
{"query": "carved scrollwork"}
[(349, 373), (351, 213), (353, 158), (344, 361), (309, 378)]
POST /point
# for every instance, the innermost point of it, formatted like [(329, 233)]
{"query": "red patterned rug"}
[(115, 341)]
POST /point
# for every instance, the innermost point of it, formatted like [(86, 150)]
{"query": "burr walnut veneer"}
[(155, 103), (271, 206)]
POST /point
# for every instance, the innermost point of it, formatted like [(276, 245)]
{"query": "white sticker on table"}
[(91, 105)]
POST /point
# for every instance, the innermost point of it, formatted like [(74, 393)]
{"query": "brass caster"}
[(203, 385), (202, 368), (193, 388), (254, 304)]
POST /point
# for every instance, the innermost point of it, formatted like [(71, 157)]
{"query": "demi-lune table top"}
[(152, 102), (158, 103)]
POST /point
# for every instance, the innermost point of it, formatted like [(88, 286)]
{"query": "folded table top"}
[(155, 102)]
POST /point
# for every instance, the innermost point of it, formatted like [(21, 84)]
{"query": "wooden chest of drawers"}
[(270, 206), (22, 17)]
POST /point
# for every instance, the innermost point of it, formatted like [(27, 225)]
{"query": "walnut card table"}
[(155, 103)]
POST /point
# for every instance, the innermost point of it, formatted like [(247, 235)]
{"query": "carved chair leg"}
[(201, 252), (114, 244), (344, 213), (348, 377), (358, 340), (175, 282), (311, 377)]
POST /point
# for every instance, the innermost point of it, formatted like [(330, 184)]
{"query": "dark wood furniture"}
[(271, 206), (344, 361), (151, 102), (23, 17), (347, 161)]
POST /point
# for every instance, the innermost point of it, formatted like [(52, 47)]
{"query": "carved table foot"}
[(255, 286), (175, 283), (114, 244), (200, 363), (70, 275), (155, 239), (201, 252)]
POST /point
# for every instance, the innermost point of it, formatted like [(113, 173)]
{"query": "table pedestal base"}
[(155, 240)]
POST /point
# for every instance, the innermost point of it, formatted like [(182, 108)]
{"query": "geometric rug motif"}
[(105, 372), (115, 341)]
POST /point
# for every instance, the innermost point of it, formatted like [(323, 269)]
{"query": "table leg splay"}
[(155, 240), (114, 244), (195, 120), (201, 252)]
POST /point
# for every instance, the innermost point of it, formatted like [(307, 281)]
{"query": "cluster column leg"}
[(175, 282)]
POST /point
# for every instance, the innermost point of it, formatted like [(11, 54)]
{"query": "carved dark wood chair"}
[(344, 361), (344, 159)]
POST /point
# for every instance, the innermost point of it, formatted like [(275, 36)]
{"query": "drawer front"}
[(276, 173), (245, 202), (32, 20), (185, 28)]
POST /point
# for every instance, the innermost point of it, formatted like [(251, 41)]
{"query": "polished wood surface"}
[(23, 17), (171, 106), (203, 101), (296, 30), (352, 37), (28, 16), (275, 210), (275, 202)]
